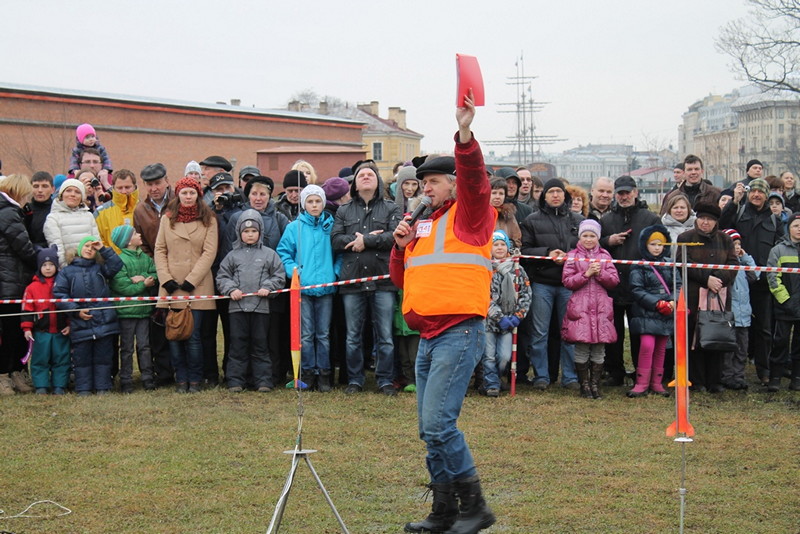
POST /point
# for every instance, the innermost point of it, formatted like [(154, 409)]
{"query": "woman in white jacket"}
[(69, 220)]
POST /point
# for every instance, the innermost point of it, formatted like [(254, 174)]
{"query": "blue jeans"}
[(187, 356), (546, 300), (381, 305), (495, 359), (444, 368), (316, 320)]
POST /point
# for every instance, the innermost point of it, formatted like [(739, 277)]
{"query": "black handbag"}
[(715, 328)]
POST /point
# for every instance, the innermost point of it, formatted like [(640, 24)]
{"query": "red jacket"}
[(41, 288)]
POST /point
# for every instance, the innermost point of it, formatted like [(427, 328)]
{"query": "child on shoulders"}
[(87, 138)]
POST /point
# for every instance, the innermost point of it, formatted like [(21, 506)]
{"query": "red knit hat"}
[(733, 234), (188, 182)]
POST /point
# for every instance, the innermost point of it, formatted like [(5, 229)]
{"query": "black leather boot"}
[(324, 382), (583, 379), (594, 379), (473, 512), (443, 512), (775, 374), (795, 385)]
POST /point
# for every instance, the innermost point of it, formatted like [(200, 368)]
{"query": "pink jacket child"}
[(590, 311)]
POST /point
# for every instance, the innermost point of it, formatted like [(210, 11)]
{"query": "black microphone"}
[(424, 202)]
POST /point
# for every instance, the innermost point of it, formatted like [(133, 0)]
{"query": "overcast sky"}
[(613, 71)]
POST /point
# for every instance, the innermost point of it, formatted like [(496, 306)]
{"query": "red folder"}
[(469, 77)]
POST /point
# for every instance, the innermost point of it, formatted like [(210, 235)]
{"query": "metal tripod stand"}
[(298, 454)]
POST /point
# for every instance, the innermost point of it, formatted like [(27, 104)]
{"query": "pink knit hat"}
[(83, 130)]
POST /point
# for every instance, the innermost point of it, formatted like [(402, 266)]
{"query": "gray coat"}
[(250, 268)]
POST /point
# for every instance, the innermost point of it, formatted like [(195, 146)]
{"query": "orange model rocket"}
[(681, 425), (294, 319)]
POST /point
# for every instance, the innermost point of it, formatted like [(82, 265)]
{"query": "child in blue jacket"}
[(306, 244), (733, 363), (93, 325)]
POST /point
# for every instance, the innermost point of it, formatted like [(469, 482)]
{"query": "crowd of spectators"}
[(341, 229)]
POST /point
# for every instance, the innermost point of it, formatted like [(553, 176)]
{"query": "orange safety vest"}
[(444, 275)]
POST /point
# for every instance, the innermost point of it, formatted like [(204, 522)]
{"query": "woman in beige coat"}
[(185, 249)]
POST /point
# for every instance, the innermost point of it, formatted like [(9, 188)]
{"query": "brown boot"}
[(19, 383), (6, 385)]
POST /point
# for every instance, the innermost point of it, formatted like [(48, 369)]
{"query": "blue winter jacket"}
[(84, 278), (306, 244), (740, 305)]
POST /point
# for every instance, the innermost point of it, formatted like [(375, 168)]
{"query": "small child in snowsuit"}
[(87, 138), (733, 363), (589, 319), (511, 298), (92, 324), (49, 331), (251, 267), (652, 314), (306, 244), (137, 276)]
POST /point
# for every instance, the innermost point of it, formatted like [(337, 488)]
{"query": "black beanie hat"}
[(751, 163), (295, 179)]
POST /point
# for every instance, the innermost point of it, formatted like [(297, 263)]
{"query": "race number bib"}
[(424, 228)]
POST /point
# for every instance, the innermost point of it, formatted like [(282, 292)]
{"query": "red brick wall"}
[(37, 132)]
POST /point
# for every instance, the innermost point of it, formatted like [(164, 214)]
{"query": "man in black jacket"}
[(39, 207), (362, 233), (552, 231), (621, 228)]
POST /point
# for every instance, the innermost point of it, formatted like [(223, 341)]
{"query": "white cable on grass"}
[(24, 513)]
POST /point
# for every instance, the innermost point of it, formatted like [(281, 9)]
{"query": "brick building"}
[(37, 132)]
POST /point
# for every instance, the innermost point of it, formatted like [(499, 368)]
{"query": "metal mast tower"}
[(527, 144)]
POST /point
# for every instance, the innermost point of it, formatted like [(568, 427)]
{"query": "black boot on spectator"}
[(775, 374), (443, 512), (324, 382), (594, 380), (583, 379)]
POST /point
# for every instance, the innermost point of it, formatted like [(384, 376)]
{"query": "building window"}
[(780, 128), (377, 151)]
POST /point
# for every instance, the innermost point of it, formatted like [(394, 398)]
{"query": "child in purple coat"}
[(589, 321)]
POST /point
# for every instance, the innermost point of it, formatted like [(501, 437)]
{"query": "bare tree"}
[(765, 47), (309, 99)]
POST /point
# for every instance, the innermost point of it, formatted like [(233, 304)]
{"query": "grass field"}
[(549, 461)]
